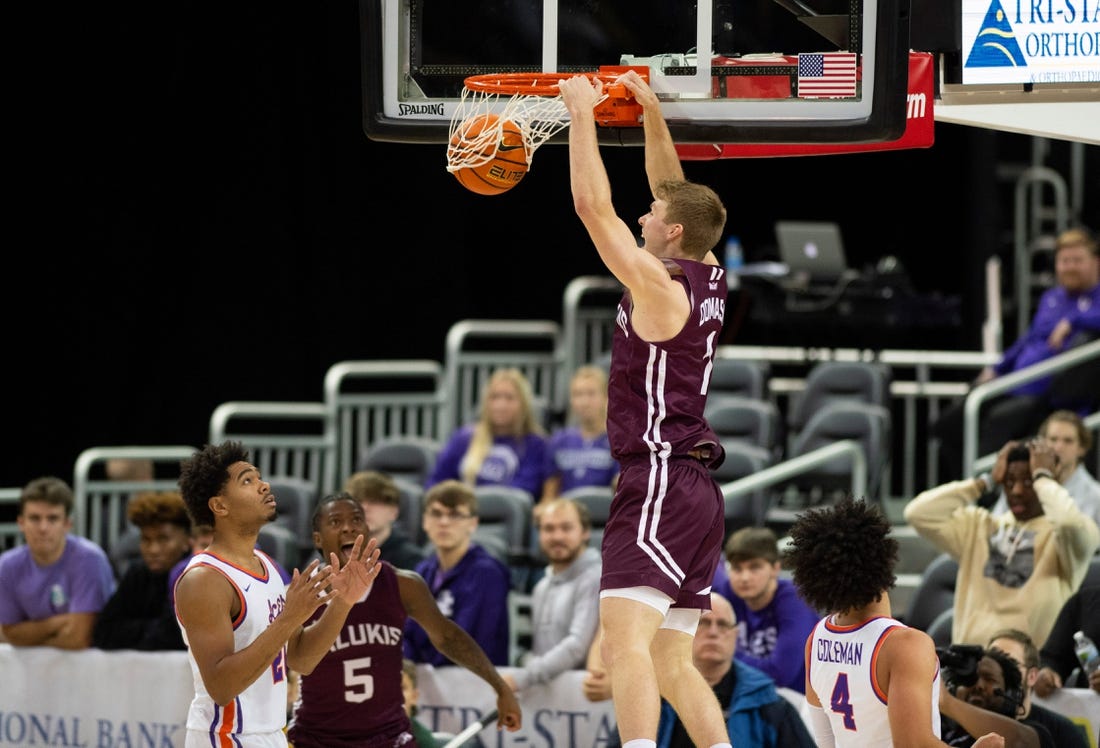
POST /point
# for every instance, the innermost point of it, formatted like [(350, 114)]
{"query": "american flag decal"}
[(826, 75)]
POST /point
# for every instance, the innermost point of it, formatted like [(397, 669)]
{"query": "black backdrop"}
[(198, 217)]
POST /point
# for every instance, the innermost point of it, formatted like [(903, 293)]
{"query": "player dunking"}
[(871, 681), (664, 535)]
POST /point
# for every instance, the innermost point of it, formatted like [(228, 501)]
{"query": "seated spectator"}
[(507, 444), (1017, 570), (578, 454), (986, 703), (1019, 646), (130, 469), (774, 619), (139, 615), (756, 715), (565, 601), (1066, 434), (469, 585), (381, 500), (52, 587), (423, 736), (1066, 315), (1081, 612)]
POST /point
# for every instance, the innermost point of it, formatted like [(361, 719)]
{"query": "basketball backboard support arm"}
[(413, 64)]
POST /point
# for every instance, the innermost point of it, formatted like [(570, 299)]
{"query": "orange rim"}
[(533, 84)]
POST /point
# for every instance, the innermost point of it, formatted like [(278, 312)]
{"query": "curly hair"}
[(842, 557), (158, 508), (205, 474), (1010, 669)]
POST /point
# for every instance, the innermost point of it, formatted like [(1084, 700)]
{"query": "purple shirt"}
[(516, 461), (656, 392), (580, 461), (1083, 312), (81, 581), (772, 639), (474, 594)]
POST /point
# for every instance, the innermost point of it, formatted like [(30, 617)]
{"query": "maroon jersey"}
[(666, 524), (657, 391), (353, 697)]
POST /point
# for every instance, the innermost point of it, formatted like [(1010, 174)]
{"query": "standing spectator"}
[(664, 536), (1066, 434), (244, 627), (756, 715), (354, 695), (565, 601), (1016, 570), (1065, 316), (774, 621), (579, 454), (139, 614), (1081, 612), (842, 558), (1019, 646), (469, 585), (53, 587), (507, 444), (381, 500)]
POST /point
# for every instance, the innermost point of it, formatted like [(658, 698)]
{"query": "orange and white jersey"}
[(840, 666), (261, 708)]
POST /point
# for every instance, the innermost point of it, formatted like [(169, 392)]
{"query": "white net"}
[(477, 124)]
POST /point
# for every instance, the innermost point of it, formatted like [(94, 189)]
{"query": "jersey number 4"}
[(841, 701)]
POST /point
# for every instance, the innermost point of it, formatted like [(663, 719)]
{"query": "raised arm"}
[(661, 159), (658, 298), (451, 640)]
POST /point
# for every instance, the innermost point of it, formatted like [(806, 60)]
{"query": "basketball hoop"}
[(531, 102)]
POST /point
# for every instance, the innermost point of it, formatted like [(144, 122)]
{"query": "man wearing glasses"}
[(756, 714), (469, 585)]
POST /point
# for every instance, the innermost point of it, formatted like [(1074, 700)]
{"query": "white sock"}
[(721, 745), (640, 743)]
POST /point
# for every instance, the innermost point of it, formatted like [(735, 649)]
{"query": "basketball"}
[(502, 172)]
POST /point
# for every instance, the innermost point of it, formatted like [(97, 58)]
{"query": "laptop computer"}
[(812, 250)]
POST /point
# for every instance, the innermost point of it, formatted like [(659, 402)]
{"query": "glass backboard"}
[(769, 71)]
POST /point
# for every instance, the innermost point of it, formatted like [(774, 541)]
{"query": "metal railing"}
[(792, 468), (99, 504), (1008, 382)]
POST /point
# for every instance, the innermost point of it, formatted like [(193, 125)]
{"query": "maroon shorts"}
[(665, 530)]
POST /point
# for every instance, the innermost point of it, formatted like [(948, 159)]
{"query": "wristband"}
[(1041, 473), (987, 482)]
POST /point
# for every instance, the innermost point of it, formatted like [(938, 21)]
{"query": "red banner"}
[(919, 122)]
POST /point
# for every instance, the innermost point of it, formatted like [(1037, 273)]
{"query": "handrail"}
[(451, 415), (83, 485), (1007, 382), (787, 469), (986, 462)]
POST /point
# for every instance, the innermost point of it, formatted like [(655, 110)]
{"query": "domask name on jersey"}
[(367, 633), (848, 653), (711, 307)]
